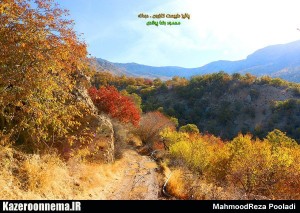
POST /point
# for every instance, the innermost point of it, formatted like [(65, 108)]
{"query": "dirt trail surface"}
[(136, 179)]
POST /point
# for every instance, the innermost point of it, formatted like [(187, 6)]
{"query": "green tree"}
[(189, 128), (278, 138)]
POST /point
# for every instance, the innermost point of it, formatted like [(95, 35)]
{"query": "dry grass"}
[(24, 176), (207, 191), (183, 184), (177, 186)]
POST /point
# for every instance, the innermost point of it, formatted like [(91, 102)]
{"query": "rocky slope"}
[(103, 142)]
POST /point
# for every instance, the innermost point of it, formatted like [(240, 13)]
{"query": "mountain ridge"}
[(280, 60)]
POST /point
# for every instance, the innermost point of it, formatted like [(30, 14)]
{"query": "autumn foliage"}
[(110, 101), (269, 168), (40, 57), (152, 123)]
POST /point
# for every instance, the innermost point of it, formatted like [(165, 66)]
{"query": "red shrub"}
[(109, 100)]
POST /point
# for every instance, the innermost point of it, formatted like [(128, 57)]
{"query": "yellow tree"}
[(40, 57), (285, 183), (250, 164)]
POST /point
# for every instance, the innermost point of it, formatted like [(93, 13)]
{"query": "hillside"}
[(227, 108), (221, 104), (277, 61)]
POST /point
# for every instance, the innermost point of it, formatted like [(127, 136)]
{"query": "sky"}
[(216, 30)]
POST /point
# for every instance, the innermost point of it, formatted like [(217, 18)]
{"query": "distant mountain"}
[(281, 60), (139, 70), (104, 65)]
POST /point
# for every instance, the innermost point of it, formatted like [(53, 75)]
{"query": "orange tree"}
[(109, 100), (40, 56)]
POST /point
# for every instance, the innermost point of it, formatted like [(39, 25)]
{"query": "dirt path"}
[(136, 180)]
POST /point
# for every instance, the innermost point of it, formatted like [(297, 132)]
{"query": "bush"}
[(254, 94), (250, 164), (189, 128), (177, 185), (278, 138), (192, 150), (268, 168), (152, 123), (110, 101)]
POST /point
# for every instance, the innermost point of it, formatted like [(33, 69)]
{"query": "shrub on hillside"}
[(268, 168), (189, 128), (152, 123), (278, 138), (110, 101)]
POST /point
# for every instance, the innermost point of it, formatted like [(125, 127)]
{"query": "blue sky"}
[(217, 30)]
